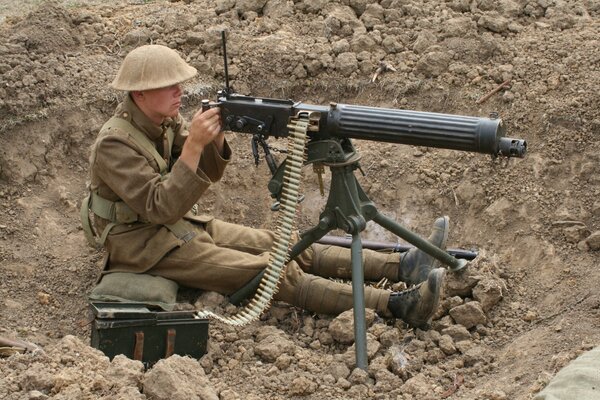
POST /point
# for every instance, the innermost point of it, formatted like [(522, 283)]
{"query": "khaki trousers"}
[(223, 257)]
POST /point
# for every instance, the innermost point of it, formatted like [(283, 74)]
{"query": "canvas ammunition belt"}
[(117, 213), (279, 255)]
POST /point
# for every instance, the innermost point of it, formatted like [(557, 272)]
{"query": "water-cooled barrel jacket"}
[(122, 170)]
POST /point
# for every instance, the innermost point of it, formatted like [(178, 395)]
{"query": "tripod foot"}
[(460, 265)]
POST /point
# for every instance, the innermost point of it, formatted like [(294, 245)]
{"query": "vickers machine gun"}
[(322, 136)]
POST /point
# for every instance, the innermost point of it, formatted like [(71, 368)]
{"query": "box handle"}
[(170, 342), (138, 349)]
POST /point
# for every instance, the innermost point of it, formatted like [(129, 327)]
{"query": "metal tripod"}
[(348, 208)]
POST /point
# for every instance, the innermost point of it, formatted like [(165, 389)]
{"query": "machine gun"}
[(332, 127), (329, 131)]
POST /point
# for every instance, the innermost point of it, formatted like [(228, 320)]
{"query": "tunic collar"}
[(129, 110)]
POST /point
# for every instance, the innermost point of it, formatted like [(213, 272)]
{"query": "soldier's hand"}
[(204, 128)]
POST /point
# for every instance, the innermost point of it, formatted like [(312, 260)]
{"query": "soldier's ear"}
[(137, 94)]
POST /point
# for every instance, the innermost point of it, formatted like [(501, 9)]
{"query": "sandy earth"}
[(525, 307)]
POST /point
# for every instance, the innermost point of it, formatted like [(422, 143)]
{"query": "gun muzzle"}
[(510, 147)]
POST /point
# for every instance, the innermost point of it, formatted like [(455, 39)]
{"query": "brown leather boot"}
[(415, 264), (416, 305)]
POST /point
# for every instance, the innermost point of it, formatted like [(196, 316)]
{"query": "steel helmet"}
[(152, 67)]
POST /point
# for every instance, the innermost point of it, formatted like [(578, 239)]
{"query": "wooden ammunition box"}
[(147, 335)]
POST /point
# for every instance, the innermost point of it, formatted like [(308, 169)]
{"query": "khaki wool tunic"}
[(221, 257)]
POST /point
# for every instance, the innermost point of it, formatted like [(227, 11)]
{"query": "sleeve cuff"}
[(226, 151), (194, 180)]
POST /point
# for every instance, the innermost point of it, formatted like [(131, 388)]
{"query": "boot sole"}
[(446, 229), (438, 281)]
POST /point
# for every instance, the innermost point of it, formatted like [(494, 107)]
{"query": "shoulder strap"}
[(170, 140), (141, 140), (86, 224)]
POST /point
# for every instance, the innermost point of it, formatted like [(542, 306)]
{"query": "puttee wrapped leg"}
[(323, 296), (335, 262)]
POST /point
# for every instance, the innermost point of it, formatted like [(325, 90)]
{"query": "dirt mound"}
[(530, 296), (50, 29)]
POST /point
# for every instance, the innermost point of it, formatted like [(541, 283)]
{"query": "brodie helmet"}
[(152, 67)]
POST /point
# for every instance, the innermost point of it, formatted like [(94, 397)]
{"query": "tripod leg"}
[(308, 238), (398, 230), (358, 294)]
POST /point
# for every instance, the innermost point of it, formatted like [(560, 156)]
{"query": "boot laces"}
[(406, 292)]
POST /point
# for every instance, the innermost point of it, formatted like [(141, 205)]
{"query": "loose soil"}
[(526, 306)]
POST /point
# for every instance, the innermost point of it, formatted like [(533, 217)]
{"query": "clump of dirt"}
[(531, 294), (49, 29)]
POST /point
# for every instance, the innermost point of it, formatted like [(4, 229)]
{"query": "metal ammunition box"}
[(147, 335)]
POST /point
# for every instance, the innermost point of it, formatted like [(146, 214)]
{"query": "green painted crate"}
[(147, 335)]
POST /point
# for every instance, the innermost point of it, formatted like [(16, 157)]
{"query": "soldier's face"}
[(158, 104)]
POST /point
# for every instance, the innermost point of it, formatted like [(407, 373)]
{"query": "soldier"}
[(148, 170)]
